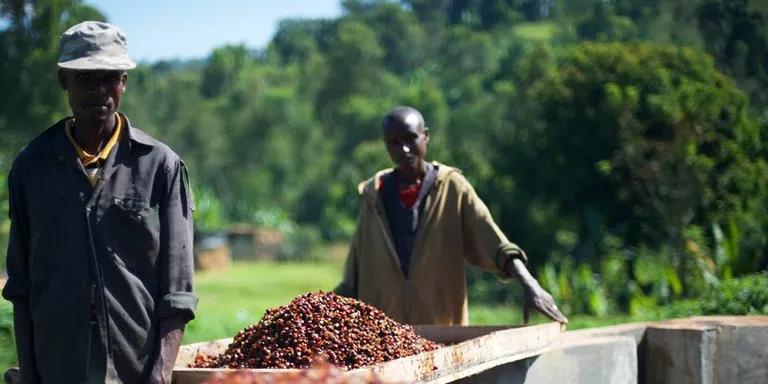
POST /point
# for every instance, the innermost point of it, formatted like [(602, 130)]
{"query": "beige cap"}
[(94, 45)]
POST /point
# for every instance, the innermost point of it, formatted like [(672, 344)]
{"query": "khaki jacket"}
[(455, 227)]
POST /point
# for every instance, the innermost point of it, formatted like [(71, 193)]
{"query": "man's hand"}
[(535, 296)]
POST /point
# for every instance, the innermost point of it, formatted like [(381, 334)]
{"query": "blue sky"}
[(168, 29)]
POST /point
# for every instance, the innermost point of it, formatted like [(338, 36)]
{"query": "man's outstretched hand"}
[(539, 299), (535, 296)]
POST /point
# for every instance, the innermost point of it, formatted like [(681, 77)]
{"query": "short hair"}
[(403, 115)]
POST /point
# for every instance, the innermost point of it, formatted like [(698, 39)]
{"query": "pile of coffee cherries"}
[(319, 326)]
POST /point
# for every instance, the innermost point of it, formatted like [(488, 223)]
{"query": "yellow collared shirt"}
[(91, 162)]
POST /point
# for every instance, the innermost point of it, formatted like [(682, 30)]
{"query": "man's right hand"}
[(537, 298)]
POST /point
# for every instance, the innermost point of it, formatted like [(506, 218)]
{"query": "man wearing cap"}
[(100, 252)]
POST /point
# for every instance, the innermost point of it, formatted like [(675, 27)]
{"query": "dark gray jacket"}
[(125, 246)]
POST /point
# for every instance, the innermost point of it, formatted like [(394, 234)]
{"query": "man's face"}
[(94, 96), (406, 144)]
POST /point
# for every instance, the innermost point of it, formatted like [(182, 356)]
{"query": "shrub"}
[(747, 295)]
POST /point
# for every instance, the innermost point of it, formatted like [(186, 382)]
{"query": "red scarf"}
[(410, 193)]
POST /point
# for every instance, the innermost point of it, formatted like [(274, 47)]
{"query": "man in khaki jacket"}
[(418, 223)]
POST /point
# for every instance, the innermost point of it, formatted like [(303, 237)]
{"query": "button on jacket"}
[(121, 250)]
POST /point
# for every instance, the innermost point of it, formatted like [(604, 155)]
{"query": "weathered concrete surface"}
[(697, 350), (721, 349), (574, 359), (680, 355), (633, 330), (741, 355)]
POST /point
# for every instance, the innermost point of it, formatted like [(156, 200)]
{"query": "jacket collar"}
[(62, 148), (135, 135), (370, 188)]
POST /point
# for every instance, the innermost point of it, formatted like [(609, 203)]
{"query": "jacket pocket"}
[(133, 229)]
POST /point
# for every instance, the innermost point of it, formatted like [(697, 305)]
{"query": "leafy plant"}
[(209, 215), (577, 288), (747, 295)]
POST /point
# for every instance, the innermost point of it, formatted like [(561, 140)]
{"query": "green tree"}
[(651, 139), (604, 24), (490, 14), (223, 70), (356, 60), (735, 35), (300, 43), (401, 36)]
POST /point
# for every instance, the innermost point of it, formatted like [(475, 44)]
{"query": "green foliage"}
[(577, 287), (732, 31), (652, 130), (735, 35), (747, 295), (223, 70), (604, 25), (7, 341), (209, 215)]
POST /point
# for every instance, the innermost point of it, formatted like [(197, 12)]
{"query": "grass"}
[(536, 31)]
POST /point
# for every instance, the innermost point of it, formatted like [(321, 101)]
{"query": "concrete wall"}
[(680, 355), (610, 359), (741, 354), (706, 350), (699, 350)]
